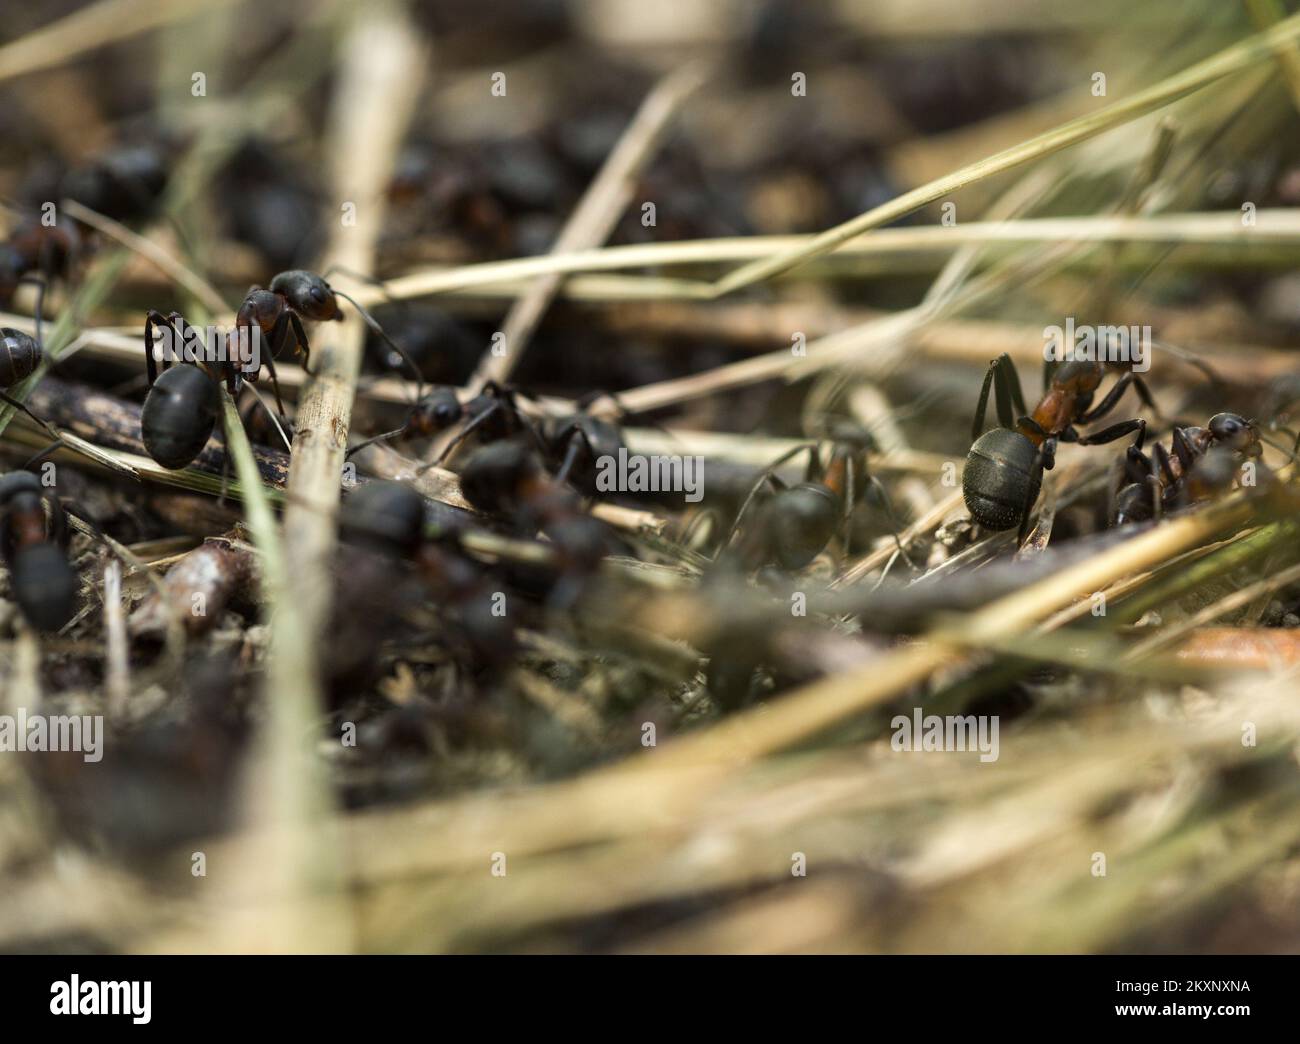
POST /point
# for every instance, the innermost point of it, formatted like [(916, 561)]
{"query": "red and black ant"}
[(797, 523), (1004, 469), (1202, 463), (277, 313), (34, 547)]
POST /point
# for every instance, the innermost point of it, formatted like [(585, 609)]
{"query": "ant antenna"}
[(373, 439), (1192, 360), (371, 322), (270, 413), (40, 304)]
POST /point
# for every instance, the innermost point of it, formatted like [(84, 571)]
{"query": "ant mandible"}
[(1004, 469)]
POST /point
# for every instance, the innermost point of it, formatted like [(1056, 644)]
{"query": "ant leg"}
[(983, 404), (1183, 449), (576, 442), (375, 438), (766, 475), (1046, 453), (1161, 456), (40, 285), (464, 433), (893, 519), (35, 459), (1136, 465), (275, 385), (151, 320), (1012, 380), (1111, 399), (16, 404), (300, 335), (1115, 431), (1007, 393), (371, 322)]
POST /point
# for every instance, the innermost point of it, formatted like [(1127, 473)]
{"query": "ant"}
[(795, 525), (34, 548), (1202, 462), (20, 356), (1004, 469), (507, 478), (494, 413), (278, 311), (576, 442), (389, 518), (48, 250), (182, 405)]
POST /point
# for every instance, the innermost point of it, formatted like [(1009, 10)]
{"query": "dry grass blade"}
[(1233, 59), (95, 26), (595, 216)]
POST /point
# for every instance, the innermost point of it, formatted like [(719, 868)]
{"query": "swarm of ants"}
[(505, 607)]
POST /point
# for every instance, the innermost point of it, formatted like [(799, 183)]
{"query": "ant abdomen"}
[(386, 517), (45, 585), (1000, 478), (803, 520), (179, 415), (19, 356)]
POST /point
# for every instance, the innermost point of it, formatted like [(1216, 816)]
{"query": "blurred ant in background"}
[(34, 547), (796, 523), (389, 518), (1004, 469), (507, 478)]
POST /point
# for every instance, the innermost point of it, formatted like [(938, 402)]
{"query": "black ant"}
[(1004, 469), (575, 444), (34, 548), (1203, 461), (20, 356), (494, 413), (183, 404), (794, 525), (389, 518), (507, 478), (50, 251), (278, 311)]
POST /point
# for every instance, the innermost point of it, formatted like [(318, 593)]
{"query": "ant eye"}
[(447, 413), (318, 295)]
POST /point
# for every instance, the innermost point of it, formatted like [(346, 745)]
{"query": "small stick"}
[(152, 252), (117, 681), (595, 216)]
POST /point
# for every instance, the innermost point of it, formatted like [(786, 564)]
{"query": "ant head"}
[(437, 411), (18, 482), (849, 433), (1233, 431), (308, 295)]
